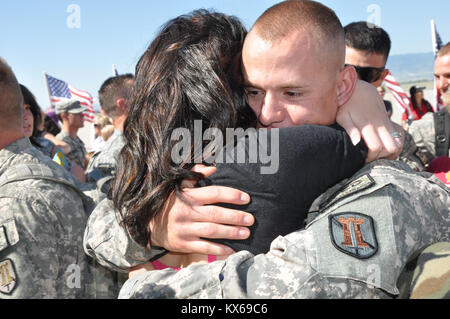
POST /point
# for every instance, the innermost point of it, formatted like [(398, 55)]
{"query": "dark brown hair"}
[(28, 98), (187, 73), (112, 89)]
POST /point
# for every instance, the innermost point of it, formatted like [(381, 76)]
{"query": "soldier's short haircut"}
[(10, 96), (445, 50), (114, 88), (284, 18), (368, 38)]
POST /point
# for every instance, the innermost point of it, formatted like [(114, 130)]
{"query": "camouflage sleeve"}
[(410, 154), (109, 243), (423, 134), (41, 250), (427, 275), (286, 271), (24, 270)]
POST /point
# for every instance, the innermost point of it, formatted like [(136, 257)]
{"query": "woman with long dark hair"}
[(45, 141), (188, 75)]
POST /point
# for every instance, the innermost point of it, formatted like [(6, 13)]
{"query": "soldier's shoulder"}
[(425, 123)]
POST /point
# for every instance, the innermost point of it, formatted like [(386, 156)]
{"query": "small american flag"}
[(437, 45), (399, 95), (60, 90)]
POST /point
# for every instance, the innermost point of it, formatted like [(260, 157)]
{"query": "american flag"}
[(437, 45), (399, 95), (115, 73), (60, 90)]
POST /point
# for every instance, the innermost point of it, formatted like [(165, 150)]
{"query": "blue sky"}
[(35, 36)]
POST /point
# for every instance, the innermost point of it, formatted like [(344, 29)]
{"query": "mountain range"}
[(411, 67)]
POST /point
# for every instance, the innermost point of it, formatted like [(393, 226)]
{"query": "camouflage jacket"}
[(42, 221), (77, 153), (410, 154), (362, 233), (424, 135), (103, 163)]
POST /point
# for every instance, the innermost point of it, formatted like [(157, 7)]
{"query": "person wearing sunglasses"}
[(367, 48)]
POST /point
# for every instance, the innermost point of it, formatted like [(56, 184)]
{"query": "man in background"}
[(432, 132), (70, 113), (114, 95), (367, 49)]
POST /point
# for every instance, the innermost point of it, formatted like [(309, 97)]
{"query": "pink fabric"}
[(440, 167), (160, 266)]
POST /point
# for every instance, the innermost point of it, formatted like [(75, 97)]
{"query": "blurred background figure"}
[(70, 113), (419, 106), (34, 127), (51, 122), (382, 91), (100, 122), (107, 132)]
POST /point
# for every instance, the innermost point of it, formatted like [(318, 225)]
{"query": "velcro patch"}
[(8, 277), (353, 234), (3, 238), (355, 186)]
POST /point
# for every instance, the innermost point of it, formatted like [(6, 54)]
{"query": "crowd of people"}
[(352, 190)]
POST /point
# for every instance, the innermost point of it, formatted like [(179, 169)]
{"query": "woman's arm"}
[(364, 115), (64, 146)]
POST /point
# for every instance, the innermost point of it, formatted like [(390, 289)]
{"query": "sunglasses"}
[(368, 74)]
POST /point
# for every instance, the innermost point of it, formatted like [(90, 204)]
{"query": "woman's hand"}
[(364, 115), (190, 217)]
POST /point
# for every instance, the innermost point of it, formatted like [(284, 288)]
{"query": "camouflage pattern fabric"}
[(110, 244), (46, 146), (78, 150), (103, 163), (315, 262), (409, 154), (427, 275), (42, 221), (423, 133)]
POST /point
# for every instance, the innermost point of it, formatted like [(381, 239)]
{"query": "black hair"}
[(367, 37), (28, 98)]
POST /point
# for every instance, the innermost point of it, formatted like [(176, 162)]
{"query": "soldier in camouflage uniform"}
[(314, 262), (70, 113), (114, 95), (317, 262), (424, 130), (42, 217), (299, 265)]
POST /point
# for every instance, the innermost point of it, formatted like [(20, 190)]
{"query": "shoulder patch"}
[(353, 234), (8, 277), (353, 187)]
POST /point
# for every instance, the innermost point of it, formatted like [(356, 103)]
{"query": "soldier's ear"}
[(346, 83), (121, 105)]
